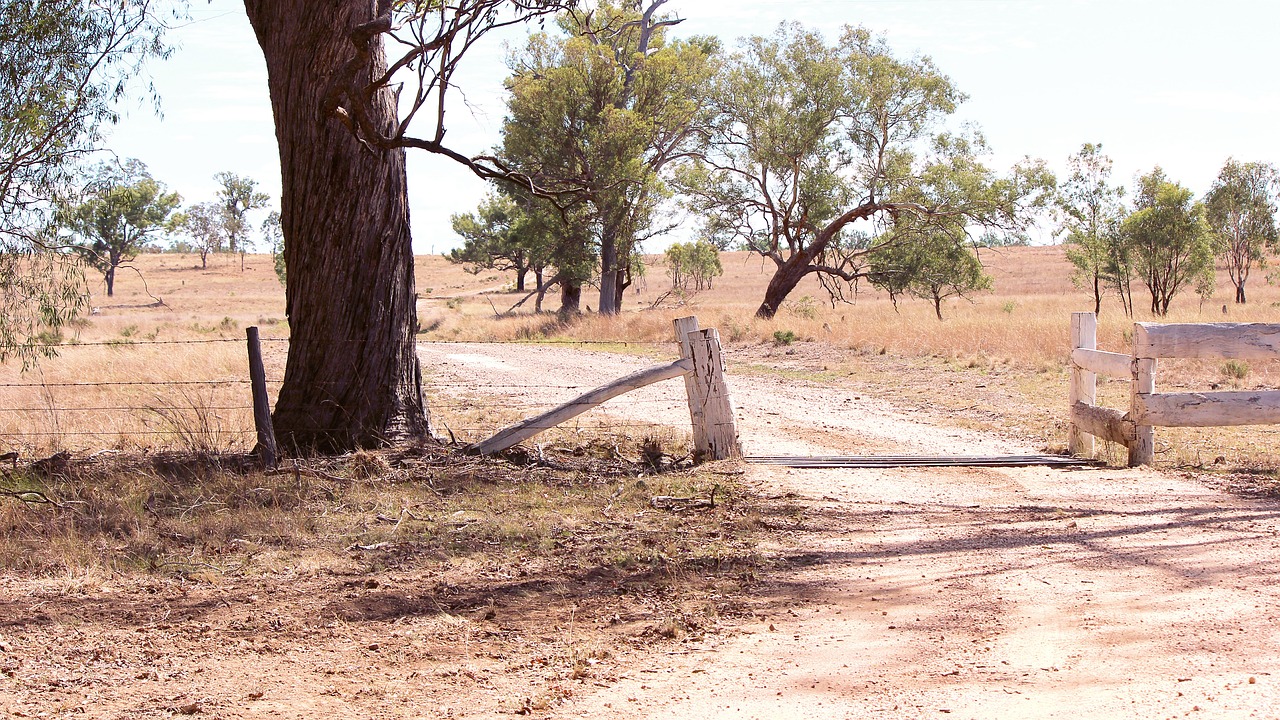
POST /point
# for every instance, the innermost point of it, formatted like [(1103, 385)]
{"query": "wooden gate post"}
[(1143, 449), (684, 327), (718, 437), (1084, 384), (266, 448)]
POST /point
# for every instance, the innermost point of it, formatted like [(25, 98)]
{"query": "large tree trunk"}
[(352, 377), (609, 274), (1240, 299), (784, 280), (570, 298)]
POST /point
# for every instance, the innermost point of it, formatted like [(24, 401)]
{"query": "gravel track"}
[(957, 592)]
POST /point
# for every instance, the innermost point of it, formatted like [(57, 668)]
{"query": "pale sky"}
[(1177, 83)]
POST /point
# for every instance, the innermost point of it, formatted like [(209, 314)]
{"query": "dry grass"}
[(209, 517), (1017, 335)]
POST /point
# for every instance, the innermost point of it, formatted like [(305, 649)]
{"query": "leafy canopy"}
[(65, 63), (597, 112), (809, 138), (1170, 243), (121, 210), (1241, 211)]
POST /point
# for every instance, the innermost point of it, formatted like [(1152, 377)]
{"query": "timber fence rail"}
[(701, 364), (1148, 409)]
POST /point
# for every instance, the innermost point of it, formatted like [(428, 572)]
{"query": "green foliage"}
[(810, 137), (42, 292), (274, 236), (596, 113), (1168, 240), (1090, 213), (503, 235), (1241, 212), (237, 196), (66, 63), (693, 262), (119, 212), (804, 307), (934, 265), (783, 337), (202, 225)]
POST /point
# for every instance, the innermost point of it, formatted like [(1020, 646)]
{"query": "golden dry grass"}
[(1017, 332)]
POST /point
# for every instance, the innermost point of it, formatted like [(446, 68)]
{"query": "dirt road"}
[(977, 593)]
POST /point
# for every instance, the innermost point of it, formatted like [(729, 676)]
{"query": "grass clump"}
[(1235, 370)]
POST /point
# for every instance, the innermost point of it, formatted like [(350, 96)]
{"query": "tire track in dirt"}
[(985, 593)]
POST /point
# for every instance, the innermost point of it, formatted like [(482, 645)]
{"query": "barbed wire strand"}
[(135, 344)]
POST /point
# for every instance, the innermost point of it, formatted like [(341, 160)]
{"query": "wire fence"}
[(193, 394)]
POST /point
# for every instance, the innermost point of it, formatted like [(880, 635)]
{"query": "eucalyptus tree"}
[(1168, 238), (274, 239), (345, 114), (237, 197), (1241, 210), (598, 111), (65, 64), (810, 138), (496, 237), (1091, 212), (695, 262), (935, 265), (121, 210), (203, 225)]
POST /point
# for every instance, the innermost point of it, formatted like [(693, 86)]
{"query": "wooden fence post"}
[(1143, 449), (266, 447), (1084, 384), (684, 326), (718, 437)]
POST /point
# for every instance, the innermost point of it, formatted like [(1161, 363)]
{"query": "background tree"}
[(65, 64), (1170, 244), (600, 111), (274, 238), (237, 197), (122, 209), (810, 138), (1091, 212), (203, 226), (496, 237), (1241, 210), (693, 262), (344, 116), (934, 267)]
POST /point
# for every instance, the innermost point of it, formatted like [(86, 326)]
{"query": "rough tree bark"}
[(570, 298), (352, 378), (784, 280), (609, 271)]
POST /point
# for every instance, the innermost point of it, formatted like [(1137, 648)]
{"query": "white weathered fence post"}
[(1143, 449), (1084, 384), (684, 326), (718, 437)]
